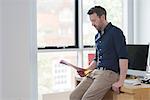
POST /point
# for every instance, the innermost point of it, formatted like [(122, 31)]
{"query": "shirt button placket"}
[(99, 61), (100, 57)]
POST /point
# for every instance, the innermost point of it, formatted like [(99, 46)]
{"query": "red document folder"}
[(91, 56)]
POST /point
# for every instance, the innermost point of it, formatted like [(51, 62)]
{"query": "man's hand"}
[(81, 72), (116, 86)]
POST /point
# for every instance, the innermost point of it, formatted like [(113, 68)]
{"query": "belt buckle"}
[(102, 68)]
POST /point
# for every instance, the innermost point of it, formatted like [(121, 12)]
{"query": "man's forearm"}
[(123, 63)]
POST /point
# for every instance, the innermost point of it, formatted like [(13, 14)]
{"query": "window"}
[(56, 23), (114, 10), (57, 30), (53, 76)]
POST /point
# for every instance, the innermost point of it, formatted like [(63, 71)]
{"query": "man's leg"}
[(100, 86), (81, 89)]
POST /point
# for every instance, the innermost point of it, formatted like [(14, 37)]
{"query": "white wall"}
[(142, 24), (0, 56), (18, 50)]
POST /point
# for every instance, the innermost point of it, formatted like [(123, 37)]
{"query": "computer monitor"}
[(138, 57)]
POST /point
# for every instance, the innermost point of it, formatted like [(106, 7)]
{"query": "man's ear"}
[(103, 16)]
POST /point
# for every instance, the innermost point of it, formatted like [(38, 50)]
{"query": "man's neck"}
[(104, 26)]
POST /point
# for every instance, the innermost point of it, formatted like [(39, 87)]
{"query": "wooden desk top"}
[(132, 89), (128, 88)]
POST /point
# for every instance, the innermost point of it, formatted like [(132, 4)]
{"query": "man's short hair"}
[(98, 10)]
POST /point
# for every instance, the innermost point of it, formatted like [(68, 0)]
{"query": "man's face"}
[(96, 21)]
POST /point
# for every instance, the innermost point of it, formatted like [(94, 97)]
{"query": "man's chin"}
[(96, 28)]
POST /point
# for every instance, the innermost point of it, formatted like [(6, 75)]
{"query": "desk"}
[(128, 92)]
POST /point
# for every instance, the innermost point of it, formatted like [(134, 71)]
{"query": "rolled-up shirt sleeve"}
[(120, 44)]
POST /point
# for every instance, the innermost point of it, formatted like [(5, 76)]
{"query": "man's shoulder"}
[(115, 28)]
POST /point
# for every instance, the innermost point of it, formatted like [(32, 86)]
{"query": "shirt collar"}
[(106, 28), (109, 25)]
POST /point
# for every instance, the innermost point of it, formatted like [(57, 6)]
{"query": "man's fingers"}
[(116, 89), (81, 73)]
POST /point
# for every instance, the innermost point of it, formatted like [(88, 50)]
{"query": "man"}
[(110, 64)]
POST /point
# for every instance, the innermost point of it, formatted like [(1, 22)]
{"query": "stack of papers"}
[(133, 82)]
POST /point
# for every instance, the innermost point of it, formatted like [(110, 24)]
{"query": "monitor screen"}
[(137, 56)]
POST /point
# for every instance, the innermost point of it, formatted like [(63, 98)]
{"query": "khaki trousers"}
[(95, 86)]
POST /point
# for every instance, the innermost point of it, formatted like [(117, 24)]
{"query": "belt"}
[(106, 68), (102, 68)]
